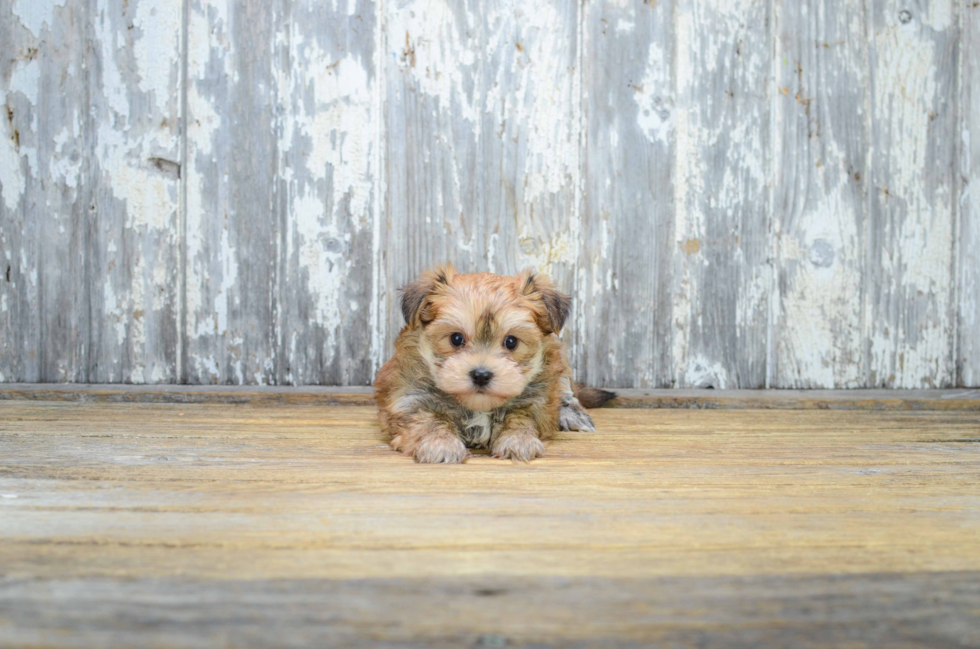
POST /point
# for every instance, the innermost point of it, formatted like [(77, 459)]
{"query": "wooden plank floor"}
[(202, 525)]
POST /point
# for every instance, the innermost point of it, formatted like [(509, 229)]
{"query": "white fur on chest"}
[(477, 429)]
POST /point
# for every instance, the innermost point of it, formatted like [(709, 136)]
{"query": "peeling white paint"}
[(379, 306), (654, 97), (968, 321), (159, 25), (24, 79), (23, 85), (545, 256), (160, 373), (123, 148), (229, 276), (64, 166), (688, 180), (435, 57), (330, 139), (35, 14), (203, 127), (700, 372), (324, 264), (625, 26), (135, 317), (207, 366), (207, 25), (552, 133), (497, 82), (914, 350), (13, 183), (342, 113), (940, 15)]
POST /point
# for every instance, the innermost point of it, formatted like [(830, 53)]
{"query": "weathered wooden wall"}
[(737, 193)]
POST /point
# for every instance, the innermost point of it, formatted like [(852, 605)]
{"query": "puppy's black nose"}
[(481, 376)]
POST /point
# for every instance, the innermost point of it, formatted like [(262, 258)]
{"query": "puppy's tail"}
[(592, 397)]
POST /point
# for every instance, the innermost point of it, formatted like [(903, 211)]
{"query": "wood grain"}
[(799, 611), (721, 244), (737, 194), (967, 141), (878, 400), (133, 242), (45, 219), (233, 225), (482, 127), (626, 262), (327, 178), (130, 523), (822, 103), (910, 274)]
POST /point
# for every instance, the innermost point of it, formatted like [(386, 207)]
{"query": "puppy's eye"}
[(510, 342), (457, 339)]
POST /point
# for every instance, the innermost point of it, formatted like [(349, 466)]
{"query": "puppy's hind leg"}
[(571, 414)]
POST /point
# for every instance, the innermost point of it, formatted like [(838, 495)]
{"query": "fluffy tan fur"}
[(433, 402)]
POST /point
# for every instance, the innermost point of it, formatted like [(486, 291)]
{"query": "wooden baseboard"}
[(900, 400)]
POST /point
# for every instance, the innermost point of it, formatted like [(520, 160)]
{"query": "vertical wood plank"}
[(968, 139), (45, 197), (820, 204), (233, 227), (721, 279), (483, 139), (133, 254), (624, 301), (327, 182), (909, 274)]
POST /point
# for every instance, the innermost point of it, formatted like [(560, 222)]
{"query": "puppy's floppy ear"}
[(554, 305), (414, 295)]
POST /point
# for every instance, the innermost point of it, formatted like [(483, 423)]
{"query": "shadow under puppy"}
[(479, 365)]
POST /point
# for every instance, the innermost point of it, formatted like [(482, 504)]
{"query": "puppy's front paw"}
[(521, 447), (440, 449), (571, 416)]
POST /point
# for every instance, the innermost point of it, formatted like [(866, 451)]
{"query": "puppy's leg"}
[(427, 438), (571, 415), (518, 439)]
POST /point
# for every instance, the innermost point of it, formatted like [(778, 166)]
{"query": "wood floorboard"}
[(966, 399), (210, 524)]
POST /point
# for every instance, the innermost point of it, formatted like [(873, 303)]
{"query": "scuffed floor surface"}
[(278, 526)]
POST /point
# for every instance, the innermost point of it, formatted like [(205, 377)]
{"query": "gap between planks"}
[(898, 400)]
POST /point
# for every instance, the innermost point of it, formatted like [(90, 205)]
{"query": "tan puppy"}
[(479, 365)]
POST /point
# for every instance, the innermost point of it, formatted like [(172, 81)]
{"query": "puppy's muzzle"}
[(481, 376)]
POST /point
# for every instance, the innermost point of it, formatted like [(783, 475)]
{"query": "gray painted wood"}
[(327, 190), (968, 149), (721, 245), (624, 303), (687, 170), (482, 127), (233, 229), (45, 222), (90, 185), (132, 250), (909, 278), (821, 159)]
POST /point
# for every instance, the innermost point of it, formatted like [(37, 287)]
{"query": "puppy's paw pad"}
[(520, 448), (573, 417), (440, 450)]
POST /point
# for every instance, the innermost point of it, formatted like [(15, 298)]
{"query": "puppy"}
[(479, 365)]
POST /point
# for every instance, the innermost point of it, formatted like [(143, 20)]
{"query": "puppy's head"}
[(483, 336)]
